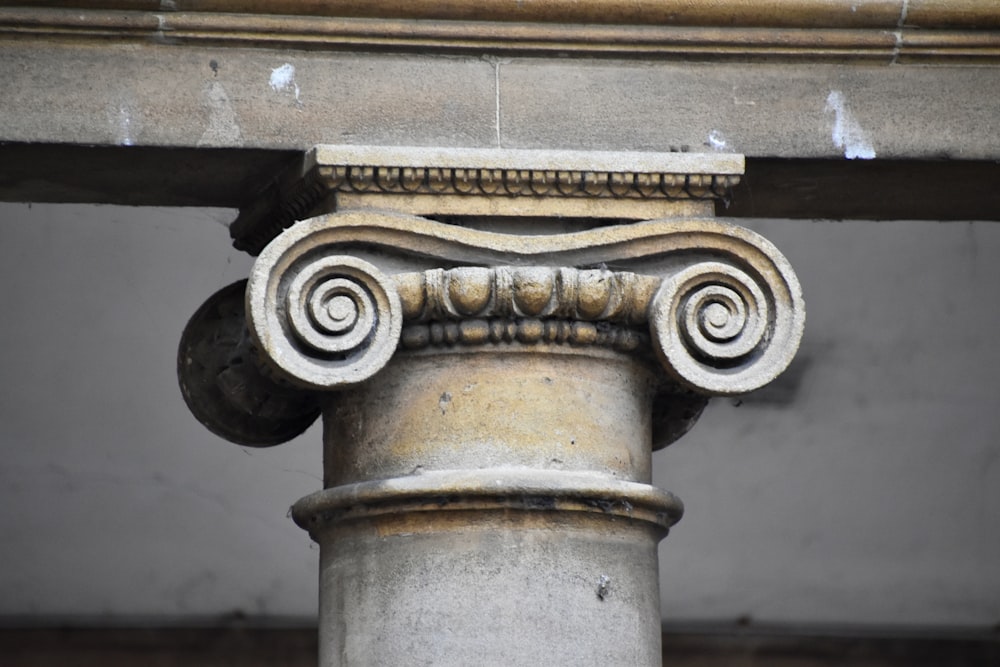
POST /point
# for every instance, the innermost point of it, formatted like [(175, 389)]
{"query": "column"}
[(497, 341)]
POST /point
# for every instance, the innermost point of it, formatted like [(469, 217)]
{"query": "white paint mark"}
[(124, 118), (848, 134), (223, 128), (168, 5), (163, 30), (283, 78), (124, 126), (716, 140), (898, 33), (741, 103)]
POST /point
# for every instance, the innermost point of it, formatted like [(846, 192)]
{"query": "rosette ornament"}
[(325, 321), (720, 329)]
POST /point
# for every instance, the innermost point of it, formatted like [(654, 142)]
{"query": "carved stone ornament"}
[(227, 388), (720, 306), (489, 182), (491, 400)]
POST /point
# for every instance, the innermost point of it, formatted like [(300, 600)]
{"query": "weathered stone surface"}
[(886, 31), (517, 588), (226, 387), (774, 110), (726, 318), (487, 475), (501, 514), (146, 94), (160, 95), (494, 182)]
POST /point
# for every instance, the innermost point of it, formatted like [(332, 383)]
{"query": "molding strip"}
[(761, 13), (824, 30)]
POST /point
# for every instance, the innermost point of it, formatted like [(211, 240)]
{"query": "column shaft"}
[(491, 506)]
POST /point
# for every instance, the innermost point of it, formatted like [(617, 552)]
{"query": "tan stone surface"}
[(775, 110), (491, 400), (166, 95), (885, 31), (125, 94)]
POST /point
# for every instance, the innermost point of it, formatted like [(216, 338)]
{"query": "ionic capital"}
[(331, 299), (366, 253)]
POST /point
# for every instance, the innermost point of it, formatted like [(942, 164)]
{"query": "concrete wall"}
[(864, 488)]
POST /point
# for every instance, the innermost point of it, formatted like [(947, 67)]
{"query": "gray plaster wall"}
[(862, 488)]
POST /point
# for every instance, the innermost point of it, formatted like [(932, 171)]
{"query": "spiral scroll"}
[(337, 320), (719, 330)]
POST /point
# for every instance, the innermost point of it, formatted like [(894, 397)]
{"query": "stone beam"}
[(491, 391), (152, 93), (208, 97)]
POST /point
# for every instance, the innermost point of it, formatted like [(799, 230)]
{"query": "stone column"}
[(490, 400)]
